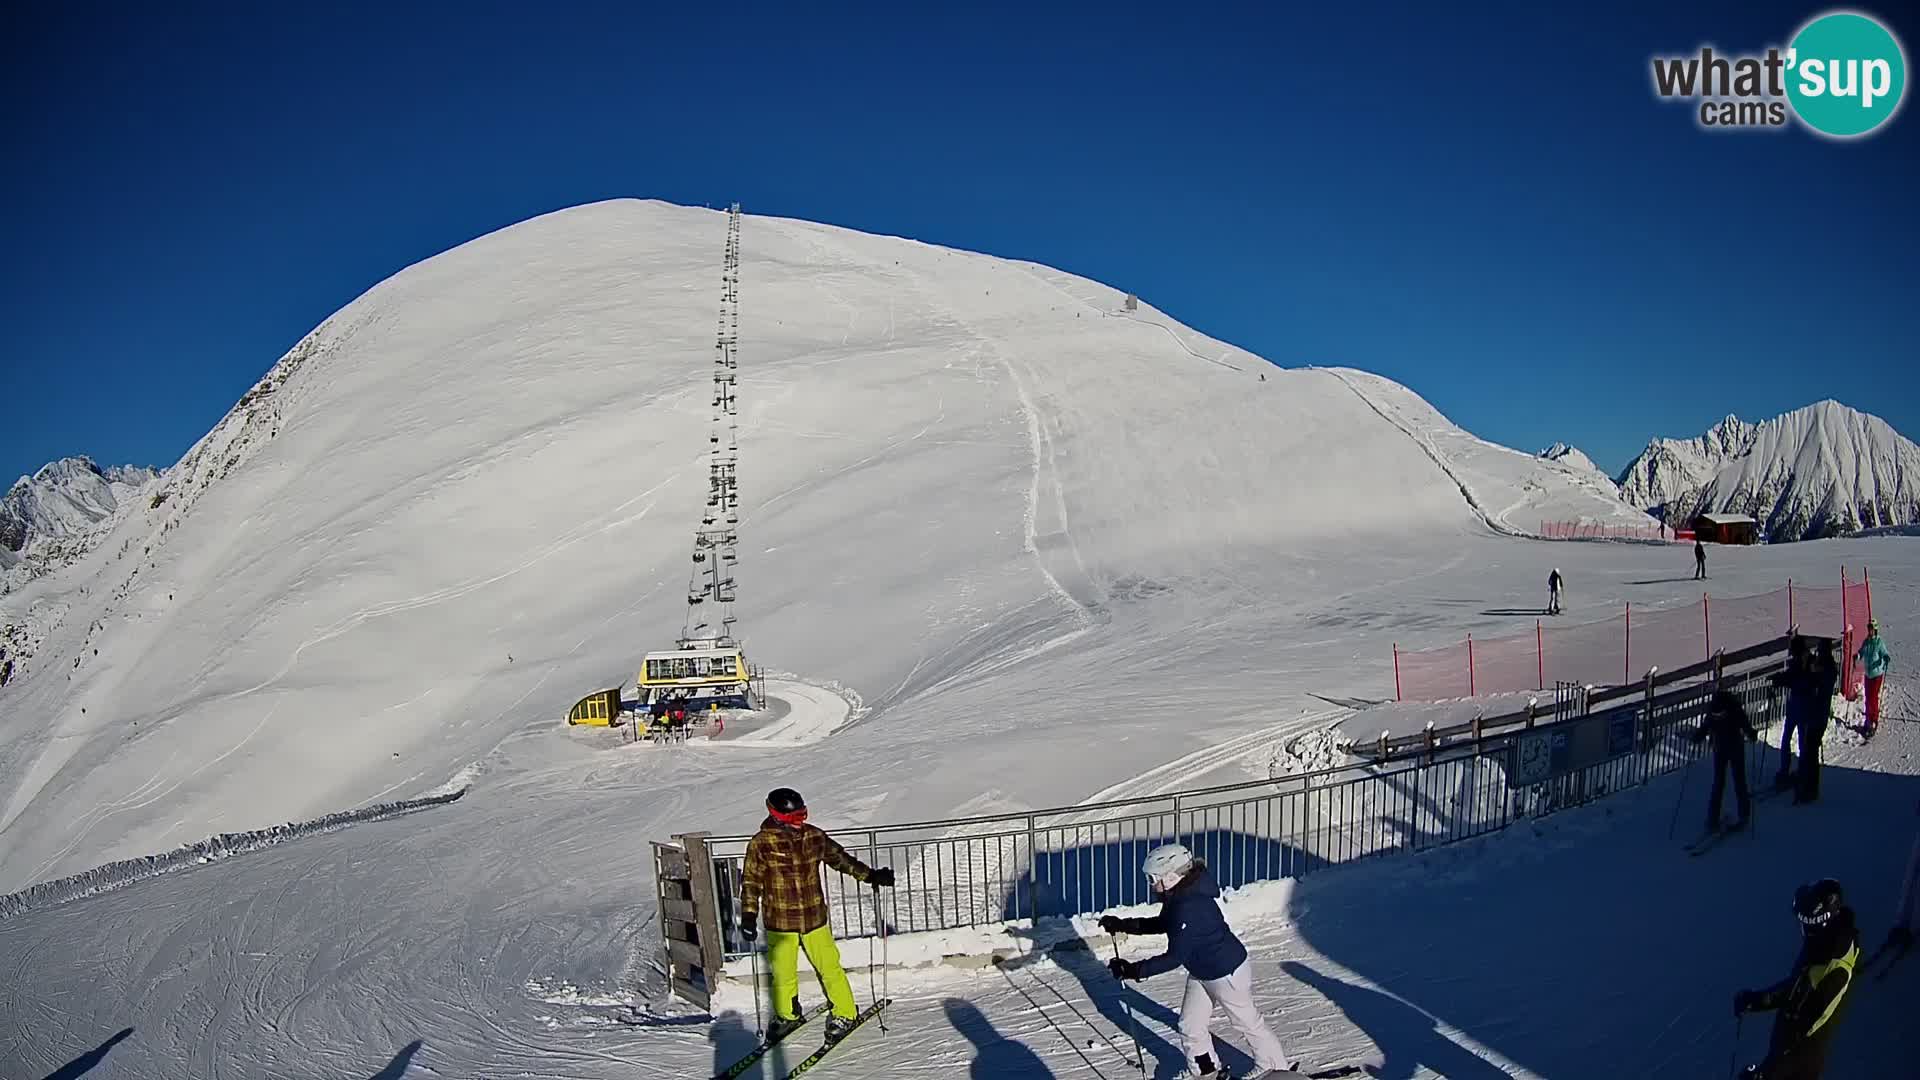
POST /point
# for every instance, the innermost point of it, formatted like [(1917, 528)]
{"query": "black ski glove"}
[(1743, 1001), (749, 925), (1113, 924), (881, 878), (1123, 969)]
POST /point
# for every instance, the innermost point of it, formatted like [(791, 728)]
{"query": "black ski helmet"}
[(785, 801), (1817, 903)]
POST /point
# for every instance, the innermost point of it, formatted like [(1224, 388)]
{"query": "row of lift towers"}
[(707, 668)]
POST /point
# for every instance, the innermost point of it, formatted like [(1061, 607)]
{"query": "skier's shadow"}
[(998, 1055), (1517, 611), (731, 1040), (1126, 1008), (1408, 1037), (397, 1068), (84, 1064)]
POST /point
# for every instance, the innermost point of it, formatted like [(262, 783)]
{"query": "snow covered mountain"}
[(1573, 458), (48, 518), (501, 452), (1051, 546), (1822, 470)]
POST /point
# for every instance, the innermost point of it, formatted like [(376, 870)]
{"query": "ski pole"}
[(1133, 1026), (879, 923), (1685, 774), (759, 1029)]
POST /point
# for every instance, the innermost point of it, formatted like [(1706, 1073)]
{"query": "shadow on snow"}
[(85, 1063)]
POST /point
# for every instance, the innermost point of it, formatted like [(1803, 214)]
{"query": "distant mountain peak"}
[(1823, 469), (1570, 456), (62, 504)]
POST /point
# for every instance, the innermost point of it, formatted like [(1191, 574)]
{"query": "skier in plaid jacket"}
[(781, 886)]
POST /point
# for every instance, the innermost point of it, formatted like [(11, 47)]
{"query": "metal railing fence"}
[(996, 869)]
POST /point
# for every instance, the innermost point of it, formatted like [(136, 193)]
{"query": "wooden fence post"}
[(1646, 725), (1471, 691), (689, 918), (1626, 662)]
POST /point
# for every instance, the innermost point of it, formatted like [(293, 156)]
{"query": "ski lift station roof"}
[(1728, 519)]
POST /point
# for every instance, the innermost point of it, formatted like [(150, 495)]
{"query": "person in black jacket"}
[(1797, 680), (1699, 561), (1822, 679), (1727, 725), (1812, 999)]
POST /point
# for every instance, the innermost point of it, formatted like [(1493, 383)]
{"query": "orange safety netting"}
[(1623, 648)]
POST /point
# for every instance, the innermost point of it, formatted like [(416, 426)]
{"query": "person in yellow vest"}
[(1812, 999)]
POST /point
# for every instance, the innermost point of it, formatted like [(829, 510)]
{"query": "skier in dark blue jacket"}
[(1218, 972)]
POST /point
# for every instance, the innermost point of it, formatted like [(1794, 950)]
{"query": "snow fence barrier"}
[(1021, 870), (114, 875), (1616, 650), (1594, 530)]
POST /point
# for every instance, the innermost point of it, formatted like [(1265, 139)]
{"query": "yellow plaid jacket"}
[(782, 876)]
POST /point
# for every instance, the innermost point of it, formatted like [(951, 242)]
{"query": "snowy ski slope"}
[(953, 466), (1051, 546)]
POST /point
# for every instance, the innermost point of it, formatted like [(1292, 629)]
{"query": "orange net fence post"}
[(1505, 664), (1739, 622), (1819, 611), (1857, 602), (1623, 646), (1591, 654), (1435, 674)]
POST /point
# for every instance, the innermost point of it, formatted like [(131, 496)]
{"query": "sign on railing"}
[(1547, 753)]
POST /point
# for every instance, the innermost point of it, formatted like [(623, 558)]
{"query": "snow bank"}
[(127, 871), (1310, 751)]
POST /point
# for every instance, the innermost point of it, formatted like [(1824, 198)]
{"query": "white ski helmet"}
[(1166, 865)]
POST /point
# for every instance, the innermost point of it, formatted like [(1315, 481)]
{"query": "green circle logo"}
[(1846, 74)]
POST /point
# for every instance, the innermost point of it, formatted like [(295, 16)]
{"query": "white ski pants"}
[(1235, 995)]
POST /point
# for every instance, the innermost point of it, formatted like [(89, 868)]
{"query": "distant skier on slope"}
[(1875, 660), (1727, 725), (782, 873), (1554, 584), (1218, 970), (1699, 560), (1812, 999)]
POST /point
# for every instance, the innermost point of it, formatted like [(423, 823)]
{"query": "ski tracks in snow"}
[(1190, 768), (134, 800), (1425, 443)]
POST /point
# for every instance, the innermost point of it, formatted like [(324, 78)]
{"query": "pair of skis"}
[(806, 1064)]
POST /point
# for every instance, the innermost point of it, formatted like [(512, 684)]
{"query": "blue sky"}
[(1488, 206)]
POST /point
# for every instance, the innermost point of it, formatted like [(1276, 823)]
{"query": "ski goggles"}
[(1816, 920), (795, 818)]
